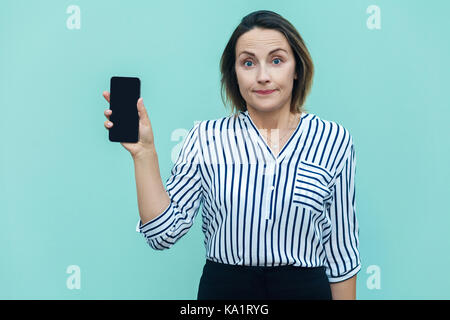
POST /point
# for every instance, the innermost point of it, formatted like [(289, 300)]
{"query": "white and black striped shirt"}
[(260, 209)]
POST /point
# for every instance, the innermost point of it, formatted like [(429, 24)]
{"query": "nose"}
[(263, 75)]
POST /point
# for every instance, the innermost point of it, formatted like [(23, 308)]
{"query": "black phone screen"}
[(124, 94)]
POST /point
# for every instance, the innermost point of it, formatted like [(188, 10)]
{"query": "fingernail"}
[(109, 124)]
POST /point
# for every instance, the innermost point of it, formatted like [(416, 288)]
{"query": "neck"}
[(276, 120)]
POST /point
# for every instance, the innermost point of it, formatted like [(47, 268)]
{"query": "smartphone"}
[(124, 94)]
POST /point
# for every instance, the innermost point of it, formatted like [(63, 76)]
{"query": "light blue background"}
[(68, 195)]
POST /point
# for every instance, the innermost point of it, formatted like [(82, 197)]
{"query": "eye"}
[(280, 60), (277, 59)]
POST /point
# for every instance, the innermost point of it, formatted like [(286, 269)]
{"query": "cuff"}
[(157, 225), (346, 276)]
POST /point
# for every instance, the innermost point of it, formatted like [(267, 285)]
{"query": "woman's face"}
[(258, 68)]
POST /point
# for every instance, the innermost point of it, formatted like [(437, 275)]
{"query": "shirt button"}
[(272, 187)]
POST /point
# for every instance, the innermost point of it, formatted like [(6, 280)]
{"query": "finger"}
[(108, 124), (143, 116), (108, 113), (106, 95)]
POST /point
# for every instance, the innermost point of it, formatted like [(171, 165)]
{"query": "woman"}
[(276, 183)]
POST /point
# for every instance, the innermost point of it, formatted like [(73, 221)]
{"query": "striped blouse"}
[(261, 209)]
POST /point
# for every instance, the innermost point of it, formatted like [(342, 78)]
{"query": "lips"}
[(264, 91)]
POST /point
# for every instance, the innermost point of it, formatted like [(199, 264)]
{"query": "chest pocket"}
[(311, 187)]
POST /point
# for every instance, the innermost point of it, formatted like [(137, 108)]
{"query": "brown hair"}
[(304, 65)]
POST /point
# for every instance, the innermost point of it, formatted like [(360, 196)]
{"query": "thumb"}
[(142, 111)]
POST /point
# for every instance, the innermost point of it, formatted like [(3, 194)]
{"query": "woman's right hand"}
[(146, 140)]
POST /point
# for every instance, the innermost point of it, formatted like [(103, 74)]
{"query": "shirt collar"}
[(287, 148)]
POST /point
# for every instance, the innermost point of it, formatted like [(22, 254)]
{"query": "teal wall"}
[(68, 194)]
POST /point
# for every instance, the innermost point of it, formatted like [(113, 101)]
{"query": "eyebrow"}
[(252, 54)]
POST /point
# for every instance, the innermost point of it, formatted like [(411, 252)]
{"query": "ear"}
[(295, 77)]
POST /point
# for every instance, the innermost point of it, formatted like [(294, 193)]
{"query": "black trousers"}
[(233, 282)]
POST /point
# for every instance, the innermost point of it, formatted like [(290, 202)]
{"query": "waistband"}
[(225, 266)]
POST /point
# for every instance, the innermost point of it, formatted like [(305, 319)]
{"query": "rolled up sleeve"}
[(342, 247), (185, 191)]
